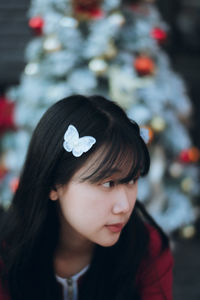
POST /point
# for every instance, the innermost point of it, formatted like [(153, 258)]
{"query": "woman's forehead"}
[(118, 169)]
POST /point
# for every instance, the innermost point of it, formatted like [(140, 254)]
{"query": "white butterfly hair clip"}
[(72, 142), (144, 133)]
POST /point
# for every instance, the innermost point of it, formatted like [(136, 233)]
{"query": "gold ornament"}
[(3, 168), (187, 184), (158, 124), (111, 51), (52, 44), (188, 231)]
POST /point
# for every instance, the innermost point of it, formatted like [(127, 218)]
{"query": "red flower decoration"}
[(159, 35), (37, 24), (6, 115)]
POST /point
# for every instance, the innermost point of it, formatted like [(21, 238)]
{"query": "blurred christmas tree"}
[(113, 48)]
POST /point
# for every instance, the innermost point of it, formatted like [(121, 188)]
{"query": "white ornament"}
[(52, 44), (72, 142), (32, 69), (97, 65), (68, 22)]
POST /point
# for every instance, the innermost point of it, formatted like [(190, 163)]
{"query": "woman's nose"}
[(121, 201)]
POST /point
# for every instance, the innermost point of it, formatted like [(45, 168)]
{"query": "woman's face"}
[(86, 208)]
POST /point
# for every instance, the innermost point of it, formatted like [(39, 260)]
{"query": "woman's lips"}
[(115, 227)]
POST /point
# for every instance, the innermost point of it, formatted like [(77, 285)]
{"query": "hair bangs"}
[(120, 155)]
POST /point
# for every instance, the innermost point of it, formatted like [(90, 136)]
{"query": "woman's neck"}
[(70, 261), (66, 268), (73, 252)]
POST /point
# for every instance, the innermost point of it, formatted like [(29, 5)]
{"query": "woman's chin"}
[(110, 241)]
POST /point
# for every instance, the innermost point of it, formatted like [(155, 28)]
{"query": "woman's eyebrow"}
[(115, 170), (111, 172), (129, 177)]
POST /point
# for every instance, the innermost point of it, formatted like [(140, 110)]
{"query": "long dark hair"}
[(30, 228)]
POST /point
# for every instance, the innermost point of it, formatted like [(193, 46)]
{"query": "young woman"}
[(75, 229)]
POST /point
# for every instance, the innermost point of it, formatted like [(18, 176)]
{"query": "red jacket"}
[(154, 279)]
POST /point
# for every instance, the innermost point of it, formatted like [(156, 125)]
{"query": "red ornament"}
[(88, 9), (6, 115), (144, 65), (159, 35), (194, 154), (191, 155), (184, 156), (37, 24)]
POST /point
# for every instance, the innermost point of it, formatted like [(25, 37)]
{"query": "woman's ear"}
[(53, 195)]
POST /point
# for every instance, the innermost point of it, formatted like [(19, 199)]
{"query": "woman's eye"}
[(108, 184), (133, 181)]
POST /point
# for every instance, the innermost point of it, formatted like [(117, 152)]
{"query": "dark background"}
[(183, 16), (183, 47)]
